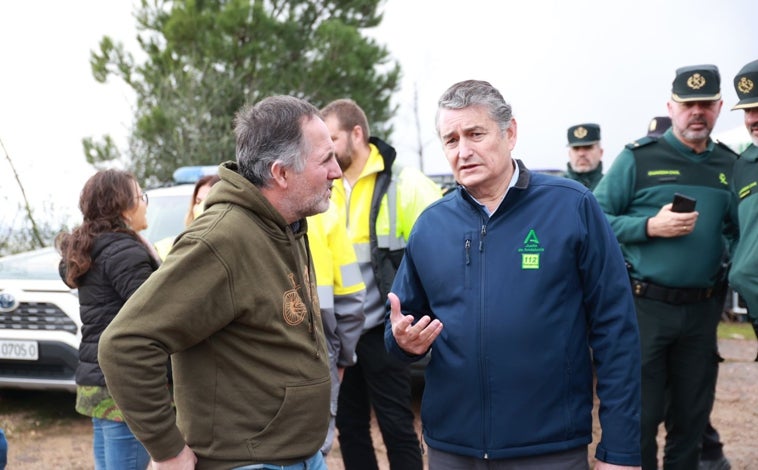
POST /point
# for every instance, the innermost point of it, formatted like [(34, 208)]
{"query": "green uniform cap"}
[(696, 83), (745, 85), (583, 134)]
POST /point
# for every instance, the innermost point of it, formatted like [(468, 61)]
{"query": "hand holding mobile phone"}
[(682, 203)]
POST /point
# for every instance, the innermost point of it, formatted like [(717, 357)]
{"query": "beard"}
[(696, 136), (753, 130), (345, 159), (306, 205)]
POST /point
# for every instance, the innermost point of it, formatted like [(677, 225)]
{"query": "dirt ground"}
[(59, 438)]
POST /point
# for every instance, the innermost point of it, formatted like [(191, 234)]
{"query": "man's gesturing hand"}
[(413, 339)]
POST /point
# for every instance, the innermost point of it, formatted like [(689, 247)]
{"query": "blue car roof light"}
[(190, 174)]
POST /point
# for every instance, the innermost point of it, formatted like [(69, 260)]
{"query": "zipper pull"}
[(481, 240), (468, 249)]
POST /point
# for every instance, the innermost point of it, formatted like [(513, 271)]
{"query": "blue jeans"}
[(315, 462), (3, 450), (116, 447)]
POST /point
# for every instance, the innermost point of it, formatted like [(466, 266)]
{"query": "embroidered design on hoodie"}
[(312, 291), (294, 308)]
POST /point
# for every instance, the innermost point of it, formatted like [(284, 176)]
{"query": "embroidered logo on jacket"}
[(663, 173), (530, 252), (294, 309)]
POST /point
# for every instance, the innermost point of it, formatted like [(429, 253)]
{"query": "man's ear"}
[(279, 175), (357, 134)]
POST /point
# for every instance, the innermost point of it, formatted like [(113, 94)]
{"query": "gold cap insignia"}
[(580, 132), (745, 85), (696, 81)]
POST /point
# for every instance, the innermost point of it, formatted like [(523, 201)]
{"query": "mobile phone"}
[(682, 203)]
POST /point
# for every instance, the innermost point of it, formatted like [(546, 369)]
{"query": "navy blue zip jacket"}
[(523, 296)]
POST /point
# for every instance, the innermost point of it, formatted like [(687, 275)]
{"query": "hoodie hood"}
[(238, 190)]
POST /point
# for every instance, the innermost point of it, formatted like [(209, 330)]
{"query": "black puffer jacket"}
[(120, 265)]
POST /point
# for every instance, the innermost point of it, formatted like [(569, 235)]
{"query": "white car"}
[(39, 323), (40, 329)]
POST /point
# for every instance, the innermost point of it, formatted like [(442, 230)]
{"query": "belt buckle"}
[(638, 288)]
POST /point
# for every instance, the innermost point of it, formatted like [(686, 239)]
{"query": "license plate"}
[(19, 350)]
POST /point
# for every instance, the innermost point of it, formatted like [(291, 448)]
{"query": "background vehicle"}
[(166, 209), (39, 323)]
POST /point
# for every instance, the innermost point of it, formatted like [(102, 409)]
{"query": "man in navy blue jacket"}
[(531, 287)]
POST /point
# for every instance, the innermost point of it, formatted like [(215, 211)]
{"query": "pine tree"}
[(204, 59)]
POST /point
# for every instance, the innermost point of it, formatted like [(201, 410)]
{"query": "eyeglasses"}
[(143, 196)]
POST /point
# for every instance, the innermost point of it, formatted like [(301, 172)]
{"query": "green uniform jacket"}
[(235, 305), (642, 179), (589, 179), (743, 276)]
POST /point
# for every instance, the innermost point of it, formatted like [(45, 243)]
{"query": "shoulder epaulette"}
[(728, 148), (647, 140)]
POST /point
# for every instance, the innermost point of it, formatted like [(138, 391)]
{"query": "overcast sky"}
[(558, 62)]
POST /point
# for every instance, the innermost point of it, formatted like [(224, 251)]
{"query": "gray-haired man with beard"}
[(235, 307)]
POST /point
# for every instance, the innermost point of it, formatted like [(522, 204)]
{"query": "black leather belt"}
[(670, 295)]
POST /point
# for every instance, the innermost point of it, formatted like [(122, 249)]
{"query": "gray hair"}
[(476, 93), (271, 131)]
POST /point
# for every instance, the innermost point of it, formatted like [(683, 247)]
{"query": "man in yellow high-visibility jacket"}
[(341, 293), (379, 200)]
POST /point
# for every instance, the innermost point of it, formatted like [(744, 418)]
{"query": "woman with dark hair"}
[(107, 260)]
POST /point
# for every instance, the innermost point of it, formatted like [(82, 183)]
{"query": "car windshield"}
[(165, 216), (38, 264)]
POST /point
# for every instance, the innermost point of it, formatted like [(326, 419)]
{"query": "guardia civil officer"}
[(712, 449), (585, 152), (675, 260), (744, 275)]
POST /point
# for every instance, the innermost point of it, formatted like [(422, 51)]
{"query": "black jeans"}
[(679, 368), (713, 449), (382, 382)]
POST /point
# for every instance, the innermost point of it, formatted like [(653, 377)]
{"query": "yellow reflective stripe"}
[(325, 297)]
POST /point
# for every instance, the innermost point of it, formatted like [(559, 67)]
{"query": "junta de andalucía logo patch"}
[(531, 251)]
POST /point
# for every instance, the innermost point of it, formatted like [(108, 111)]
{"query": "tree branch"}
[(35, 230)]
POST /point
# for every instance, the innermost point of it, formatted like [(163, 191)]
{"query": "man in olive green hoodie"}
[(235, 306)]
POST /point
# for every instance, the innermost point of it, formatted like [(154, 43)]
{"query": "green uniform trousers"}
[(679, 369)]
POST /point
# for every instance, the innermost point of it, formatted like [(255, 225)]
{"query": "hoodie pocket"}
[(299, 427)]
